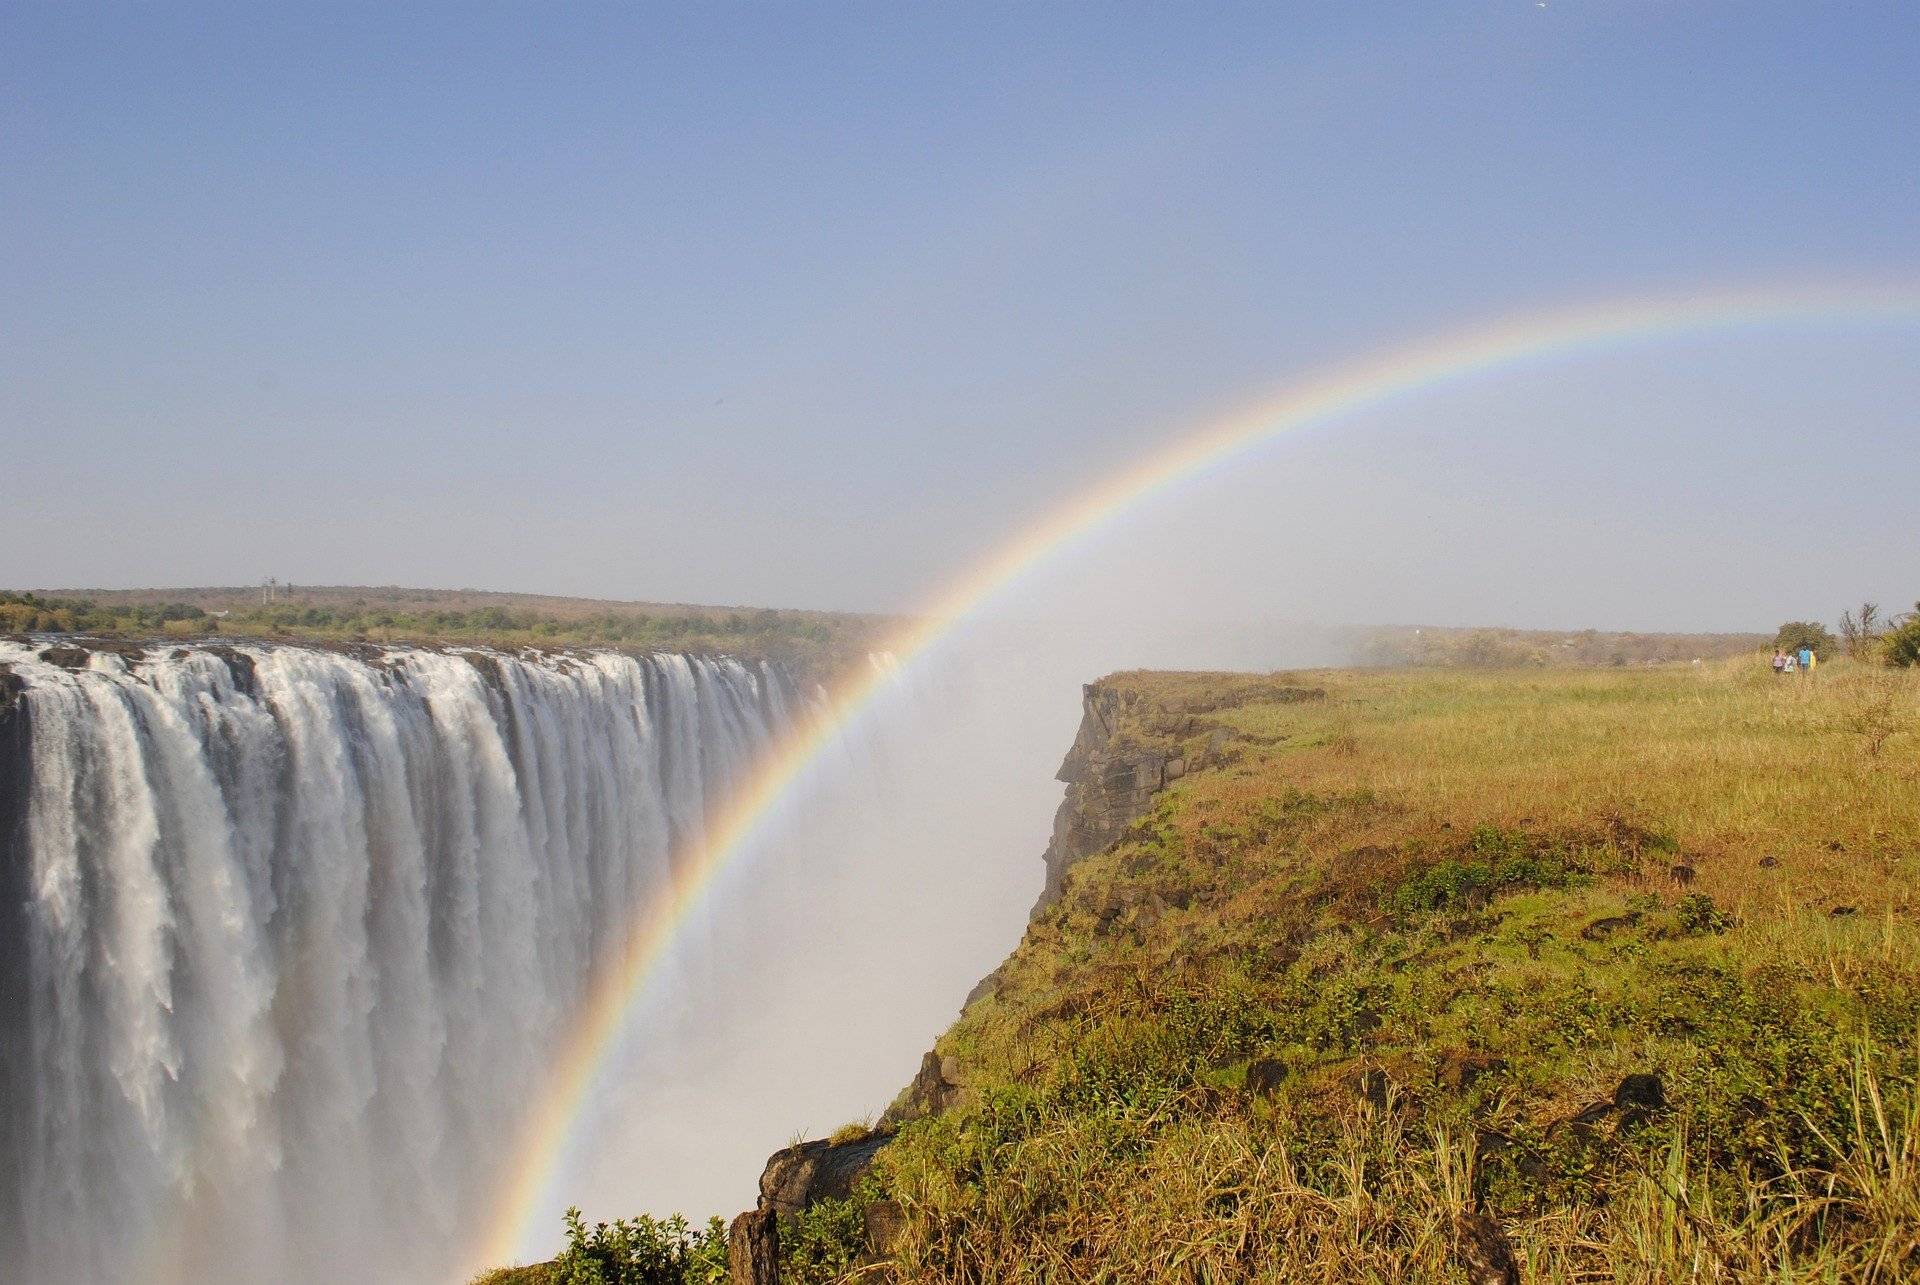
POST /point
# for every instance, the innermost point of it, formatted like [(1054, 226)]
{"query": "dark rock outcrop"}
[(753, 1249), (1459, 1068), (1484, 1253), (1111, 780), (65, 657), (795, 1179), (1639, 1096), (930, 1093), (1265, 1076), (798, 1176)]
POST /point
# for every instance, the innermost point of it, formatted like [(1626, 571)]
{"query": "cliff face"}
[(1112, 773), (1126, 751), (1131, 745)]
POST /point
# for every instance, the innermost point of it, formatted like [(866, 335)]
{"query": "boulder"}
[(1639, 1096), (798, 1176), (1265, 1076), (930, 1093), (1483, 1251), (66, 657), (795, 1178)]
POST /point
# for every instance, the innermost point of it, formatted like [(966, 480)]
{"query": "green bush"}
[(1696, 913), (1496, 861), (1796, 634), (1901, 645), (641, 1251), (822, 1243)]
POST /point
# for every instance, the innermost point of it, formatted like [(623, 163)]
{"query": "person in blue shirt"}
[(1806, 660)]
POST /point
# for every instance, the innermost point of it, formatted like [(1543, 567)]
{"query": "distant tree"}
[(1811, 634), (1901, 644), (1859, 633)]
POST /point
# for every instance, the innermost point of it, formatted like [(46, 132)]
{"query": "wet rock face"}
[(65, 657), (11, 686)]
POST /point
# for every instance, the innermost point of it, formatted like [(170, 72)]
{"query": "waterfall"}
[(288, 933)]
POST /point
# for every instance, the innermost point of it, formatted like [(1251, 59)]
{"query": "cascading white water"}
[(296, 929)]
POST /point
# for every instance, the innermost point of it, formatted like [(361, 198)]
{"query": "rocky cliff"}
[(1126, 751)]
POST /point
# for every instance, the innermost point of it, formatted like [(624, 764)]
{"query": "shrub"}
[(641, 1251), (1496, 860), (1696, 913), (1796, 634), (821, 1243), (1901, 645)]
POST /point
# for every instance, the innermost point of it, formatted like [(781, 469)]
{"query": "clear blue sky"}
[(805, 305)]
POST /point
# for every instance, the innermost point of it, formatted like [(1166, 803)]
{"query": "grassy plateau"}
[(1561, 975)]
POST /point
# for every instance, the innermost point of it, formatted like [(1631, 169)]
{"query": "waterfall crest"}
[(292, 931)]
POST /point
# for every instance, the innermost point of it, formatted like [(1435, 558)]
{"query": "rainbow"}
[(1404, 372)]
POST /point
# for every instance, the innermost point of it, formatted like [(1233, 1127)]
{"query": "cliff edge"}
[(1425, 977), (1134, 740)]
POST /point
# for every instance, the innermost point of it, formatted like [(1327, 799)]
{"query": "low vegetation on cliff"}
[(1562, 976)]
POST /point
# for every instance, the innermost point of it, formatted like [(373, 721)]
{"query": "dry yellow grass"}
[(1700, 872)]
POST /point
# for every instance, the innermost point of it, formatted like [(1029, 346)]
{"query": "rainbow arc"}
[(1402, 373)]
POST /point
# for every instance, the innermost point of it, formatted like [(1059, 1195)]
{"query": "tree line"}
[(1865, 635), (763, 630)]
